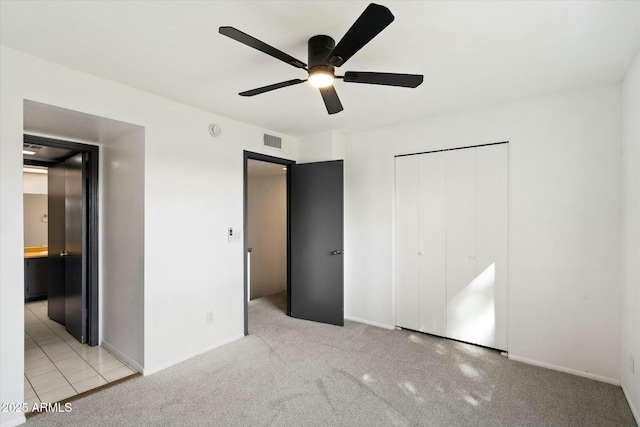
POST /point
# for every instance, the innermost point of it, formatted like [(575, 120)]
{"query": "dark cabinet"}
[(36, 276)]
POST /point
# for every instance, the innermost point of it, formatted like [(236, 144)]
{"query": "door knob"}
[(337, 252), (472, 257), (64, 253)]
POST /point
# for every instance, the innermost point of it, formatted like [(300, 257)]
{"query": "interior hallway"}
[(57, 366)]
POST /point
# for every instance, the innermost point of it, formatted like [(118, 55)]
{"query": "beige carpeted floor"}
[(291, 372)]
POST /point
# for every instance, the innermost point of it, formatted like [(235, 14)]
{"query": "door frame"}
[(90, 237), (249, 155)]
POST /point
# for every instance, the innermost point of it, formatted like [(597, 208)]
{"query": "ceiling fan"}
[(324, 55)]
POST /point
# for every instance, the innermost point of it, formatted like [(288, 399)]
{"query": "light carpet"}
[(291, 372)]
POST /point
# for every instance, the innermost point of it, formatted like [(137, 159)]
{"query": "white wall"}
[(11, 245), (564, 221), (267, 234), (35, 183), (190, 179), (36, 231), (122, 290), (321, 146), (631, 234)]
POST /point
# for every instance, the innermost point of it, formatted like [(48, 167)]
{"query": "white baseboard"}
[(634, 410), (122, 356), (368, 322), (154, 369), (19, 419), (566, 370)]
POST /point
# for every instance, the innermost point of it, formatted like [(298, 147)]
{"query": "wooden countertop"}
[(36, 252)]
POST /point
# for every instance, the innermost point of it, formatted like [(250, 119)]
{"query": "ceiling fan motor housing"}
[(320, 47)]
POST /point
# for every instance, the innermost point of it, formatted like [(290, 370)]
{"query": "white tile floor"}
[(56, 365)]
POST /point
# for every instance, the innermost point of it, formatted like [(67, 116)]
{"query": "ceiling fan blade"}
[(331, 100), (374, 19), (387, 79), (238, 35), (274, 86)]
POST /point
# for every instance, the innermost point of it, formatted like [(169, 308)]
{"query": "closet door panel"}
[(433, 243), (407, 242), (462, 307), (492, 188)]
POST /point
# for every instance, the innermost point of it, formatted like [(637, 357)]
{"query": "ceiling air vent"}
[(31, 147), (272, 141)]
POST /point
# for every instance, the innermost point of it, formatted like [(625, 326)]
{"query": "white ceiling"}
[(472, 53)]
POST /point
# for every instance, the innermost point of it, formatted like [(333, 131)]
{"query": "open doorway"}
[(70, 256), (315, 239), (266, 232), (63, 362), (62, 356)]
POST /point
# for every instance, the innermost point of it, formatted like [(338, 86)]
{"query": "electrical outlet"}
[(632, 367), (210, 317)]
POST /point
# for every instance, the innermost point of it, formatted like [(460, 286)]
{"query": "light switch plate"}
[(234, 235)]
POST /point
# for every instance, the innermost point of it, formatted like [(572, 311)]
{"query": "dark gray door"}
[(56, 229), (74, 248), (317, 263)]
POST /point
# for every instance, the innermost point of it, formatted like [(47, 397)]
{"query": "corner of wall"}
[(12, 241), (316, 148), (634, 410), (630, 231), (339, 145)]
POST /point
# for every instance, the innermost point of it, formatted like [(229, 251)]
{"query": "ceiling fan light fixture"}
[(321, 78), (324, 55)]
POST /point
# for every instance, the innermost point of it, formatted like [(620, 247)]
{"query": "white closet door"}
[(407, 242), (492, 189), (433, 239), (462, 307)]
